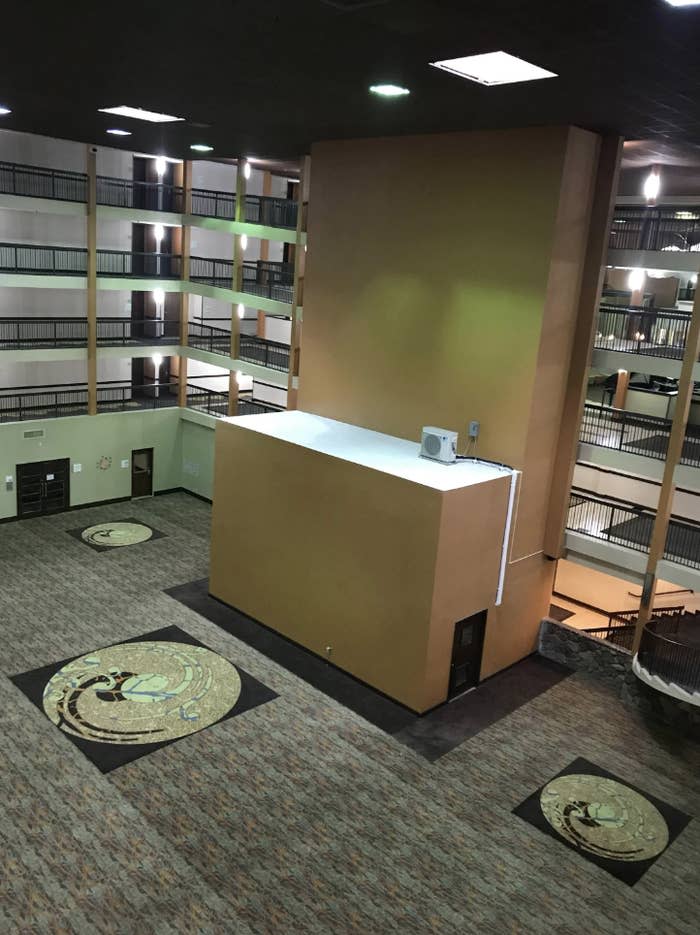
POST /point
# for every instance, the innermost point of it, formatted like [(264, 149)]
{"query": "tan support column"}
[(185, 275), (91, 159), (623, 382), (679, 426), (264, 253), (299, 270), (589, 303), (238, 257)]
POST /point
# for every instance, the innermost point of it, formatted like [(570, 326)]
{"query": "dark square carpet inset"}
[(608, 821), (117, 534), (120, 702), (431, 735), (560, 614)]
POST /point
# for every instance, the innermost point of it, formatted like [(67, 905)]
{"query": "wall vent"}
[(34, 433)]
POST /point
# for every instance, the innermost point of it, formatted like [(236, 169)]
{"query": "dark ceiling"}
[(269, 77)]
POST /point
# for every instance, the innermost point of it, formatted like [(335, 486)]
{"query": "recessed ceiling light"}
[(684, 2), (389, 90), (115, 131), (201, 148), (136, 113), (4, 111), (494, 68)]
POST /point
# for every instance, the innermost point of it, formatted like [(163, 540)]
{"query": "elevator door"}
[(43, 487)]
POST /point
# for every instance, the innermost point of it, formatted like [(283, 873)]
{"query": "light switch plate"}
[(125, 463), (77, 468), (9, 479)]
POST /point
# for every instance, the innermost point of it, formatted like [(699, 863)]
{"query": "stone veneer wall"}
[(613, 666)]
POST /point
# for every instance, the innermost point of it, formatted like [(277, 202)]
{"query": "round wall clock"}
[(105, 463)]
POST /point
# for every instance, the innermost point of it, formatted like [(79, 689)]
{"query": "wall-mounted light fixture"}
[(244, 242), (161, 166), (246, 170), (241, 310), (652, 186), (636, 280)]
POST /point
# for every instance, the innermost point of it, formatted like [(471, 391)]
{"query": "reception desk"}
[(347, 542)]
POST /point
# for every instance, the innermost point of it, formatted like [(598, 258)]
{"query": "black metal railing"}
[(36, 182), (670, 659), (630, 525), (272, 212), (635, 433), (72, 261), (259, 209), (212, 402), (270, 280), (43, 261), (261, 277), (213, 272), (668, 228), (271, 354), (125, 397), (116, 331), (622, 625), (212, 204), (20, 333), (209, 338), (652, 332), (248, 406), (52, 402), (133, 264), (59, 185), (129, 193)]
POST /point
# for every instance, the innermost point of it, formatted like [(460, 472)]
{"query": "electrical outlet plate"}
[(474, 427)]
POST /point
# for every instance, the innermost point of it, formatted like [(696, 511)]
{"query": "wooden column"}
[(238, 257), (185, 275), (299, 270), (91, 160), (589, 303), (264, 253), (623, 382), (679, 426)]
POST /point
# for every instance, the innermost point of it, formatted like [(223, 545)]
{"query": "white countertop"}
[(372, 449)]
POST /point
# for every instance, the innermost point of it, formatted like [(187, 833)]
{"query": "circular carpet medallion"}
[(604, 817), (145, 692), (116, 534)]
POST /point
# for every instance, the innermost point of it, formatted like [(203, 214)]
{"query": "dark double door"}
[(466, 654), (43, 487)]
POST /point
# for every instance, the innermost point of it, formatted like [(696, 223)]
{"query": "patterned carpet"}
[(297, 817)]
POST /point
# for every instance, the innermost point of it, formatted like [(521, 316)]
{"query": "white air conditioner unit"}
[(439, 445)]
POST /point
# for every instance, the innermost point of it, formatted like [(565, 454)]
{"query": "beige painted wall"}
[(331, 553), (442, 285)]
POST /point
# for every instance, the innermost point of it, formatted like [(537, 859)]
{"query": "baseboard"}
[(92, 503)]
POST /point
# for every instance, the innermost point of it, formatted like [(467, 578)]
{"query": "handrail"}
[(671, 660), (273, 354), (38, 332), (44, 260)]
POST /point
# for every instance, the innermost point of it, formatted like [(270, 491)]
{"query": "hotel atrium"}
[(350, 468)]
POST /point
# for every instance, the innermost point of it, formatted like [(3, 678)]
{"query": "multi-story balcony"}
[(667, 229), (647, 332), (261, 278), (634, 433), (26, 333), (629, 525), (58, 185), (26, 403), (254, 350)]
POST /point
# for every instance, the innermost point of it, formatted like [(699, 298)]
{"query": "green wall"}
[(197, 457), (85, 439)]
